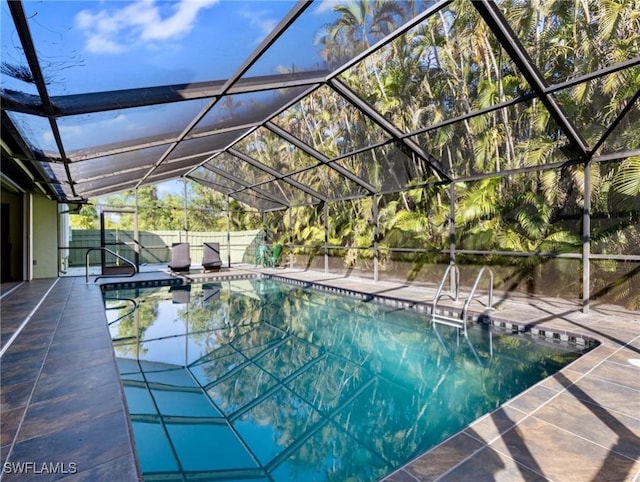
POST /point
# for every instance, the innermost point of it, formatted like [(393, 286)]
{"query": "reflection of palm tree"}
[(314, 372)]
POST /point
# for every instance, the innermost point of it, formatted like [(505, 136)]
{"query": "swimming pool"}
[(261, 380)]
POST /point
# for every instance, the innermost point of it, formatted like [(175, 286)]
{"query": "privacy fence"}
[(155, 246)]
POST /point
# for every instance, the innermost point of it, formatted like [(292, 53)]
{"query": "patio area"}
[(374, 143), (62, 400)]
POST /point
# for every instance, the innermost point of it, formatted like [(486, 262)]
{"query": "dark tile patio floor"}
[(62, 400)]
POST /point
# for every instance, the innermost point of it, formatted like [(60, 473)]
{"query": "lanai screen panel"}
[(107, 165), (123, 45), (214, 181), (614, 230), (594, 105), (329, 183), (386, 168), (166, 174), (255, 199), (522, 135), (273, 151), (328, 34), (246, 109), (448, 83), (558, 202), (237, 188), (194, 161), (569, 39), (183, 165), (202, 145), (104, 182), (57, 176), (210, 144), (127, 186), (330, 124), (104, 131), (211, 178), (36, 132), (626, 135), (239, 168), (293, 196), (15, 74), (447, 66)]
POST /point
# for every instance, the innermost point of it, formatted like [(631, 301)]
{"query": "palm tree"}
[(360, 24)]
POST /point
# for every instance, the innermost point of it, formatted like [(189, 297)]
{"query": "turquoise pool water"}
[(264, 381)]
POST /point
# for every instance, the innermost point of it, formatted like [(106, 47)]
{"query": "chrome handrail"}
[(472, 292), (86, 275), (456, 287)]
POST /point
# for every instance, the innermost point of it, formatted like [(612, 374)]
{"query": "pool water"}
[(256, 380)]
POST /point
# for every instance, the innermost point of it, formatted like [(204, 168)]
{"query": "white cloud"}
[(86, 131), (327, 5), (170, 187), (113, 30), (103, 44), (178, 24), (260, 20), (71, 132)]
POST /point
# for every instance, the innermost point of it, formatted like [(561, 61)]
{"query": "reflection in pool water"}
[(259, 380)]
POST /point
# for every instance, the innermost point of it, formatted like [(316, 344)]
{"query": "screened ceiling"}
[(280, 104)]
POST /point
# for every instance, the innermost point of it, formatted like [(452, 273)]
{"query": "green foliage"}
[(87, 218), (627, 180), (447, 67)]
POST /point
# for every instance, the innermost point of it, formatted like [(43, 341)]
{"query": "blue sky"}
[(88, 46), (170, 187), (104, 45)]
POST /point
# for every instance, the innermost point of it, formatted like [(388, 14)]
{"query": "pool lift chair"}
[(211, 257), (180, 257)]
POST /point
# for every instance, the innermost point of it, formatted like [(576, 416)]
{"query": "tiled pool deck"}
[(62, 401)]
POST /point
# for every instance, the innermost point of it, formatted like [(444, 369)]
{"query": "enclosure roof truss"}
[(331, 129)]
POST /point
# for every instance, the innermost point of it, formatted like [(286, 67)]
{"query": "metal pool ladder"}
[(459, 322)]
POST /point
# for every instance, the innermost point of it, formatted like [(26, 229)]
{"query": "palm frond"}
[(627, 179)]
